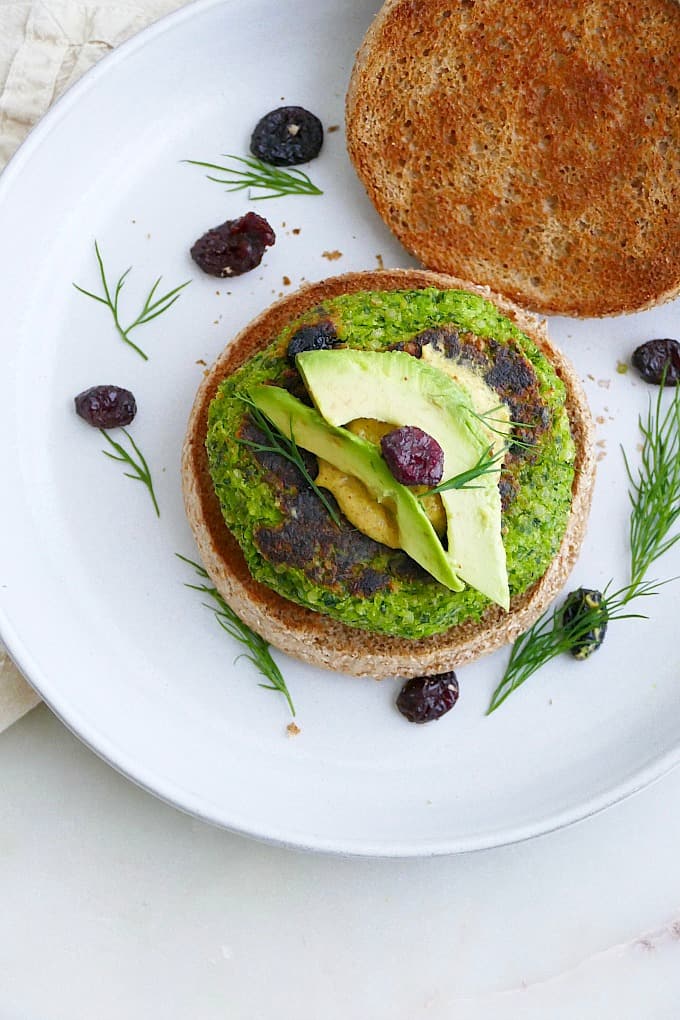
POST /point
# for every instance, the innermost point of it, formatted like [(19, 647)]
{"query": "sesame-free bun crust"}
[(533, 146), (316, 638)]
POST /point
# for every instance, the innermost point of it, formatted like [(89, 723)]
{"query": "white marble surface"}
[(117, 906)]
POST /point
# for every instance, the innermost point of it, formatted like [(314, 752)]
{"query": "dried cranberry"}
[(319, 337), (413, 456), (235, 247), (652, 358), (106, 407), (287, 136), (428, 697)]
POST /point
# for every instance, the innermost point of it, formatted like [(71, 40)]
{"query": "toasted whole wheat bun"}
[(533, 146), (316, 638)]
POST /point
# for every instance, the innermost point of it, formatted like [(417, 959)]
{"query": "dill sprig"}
[(258, 650), (551, 636), (488, 417), (655, 508), (259, 175), (153, 306), (655, 492), (488, 463), (506, 432), (140, 468), (284, 446)]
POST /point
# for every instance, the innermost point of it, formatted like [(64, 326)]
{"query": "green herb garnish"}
[(655, 508), (505, 433), (261, 176), (284, 446), (151, 310), (551, 636), (140, 469), (258, 650), (488, 463), (655, 492)]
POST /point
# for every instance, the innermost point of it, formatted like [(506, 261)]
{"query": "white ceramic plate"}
[(92, 599)]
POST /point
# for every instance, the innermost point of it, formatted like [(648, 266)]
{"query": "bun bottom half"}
[(319, 639)]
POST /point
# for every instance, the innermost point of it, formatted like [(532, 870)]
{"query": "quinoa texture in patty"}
[(289, 540)]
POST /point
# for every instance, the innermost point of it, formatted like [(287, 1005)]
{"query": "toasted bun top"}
[(312, 636), (533, 146)]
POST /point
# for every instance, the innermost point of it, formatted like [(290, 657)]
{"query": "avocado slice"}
[(356, 456), (395, 387)]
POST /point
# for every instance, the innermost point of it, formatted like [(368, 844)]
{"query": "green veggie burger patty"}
[(288, 539)]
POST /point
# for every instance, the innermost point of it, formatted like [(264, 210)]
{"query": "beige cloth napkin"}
[(44, 48)]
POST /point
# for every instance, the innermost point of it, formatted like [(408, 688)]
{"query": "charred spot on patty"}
[(368, 583), (291, 380), (403, 568), (444, 339), (333, 558), (412, 347), (464, 348), (282, 472), (510, 373), (530, 419), (317, 336), (296, 541), (508, 487)]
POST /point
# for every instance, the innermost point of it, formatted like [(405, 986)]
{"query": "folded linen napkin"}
[(45, 47)]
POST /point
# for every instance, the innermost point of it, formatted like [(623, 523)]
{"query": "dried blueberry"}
[(287, 136), (106, 407), (652, 358), (413, 456), (428, 697), (234, 247), (319, 337), (583, 607)]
